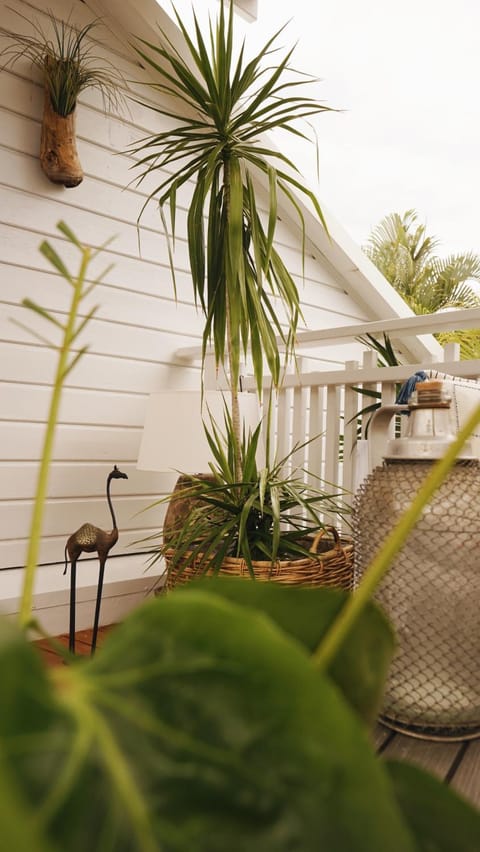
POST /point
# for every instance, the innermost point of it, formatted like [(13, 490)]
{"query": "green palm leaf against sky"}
[(406, 256), (221, 105)]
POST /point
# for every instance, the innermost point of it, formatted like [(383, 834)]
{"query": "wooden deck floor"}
[(83, 644), (458, 764)]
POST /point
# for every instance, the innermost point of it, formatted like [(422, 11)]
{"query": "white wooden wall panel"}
[(19, 246), (33, 363), (77, 406), (125, 318), (139, 325), (13, 551), (89, 478), (59, 514)]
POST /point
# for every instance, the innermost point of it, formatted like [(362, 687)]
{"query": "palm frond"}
[(469, 341), (227, 102), (405, 255)]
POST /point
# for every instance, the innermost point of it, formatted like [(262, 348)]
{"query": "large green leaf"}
[(20, 831), (25, 717), (440, 820), (200, 726), (362, 663)]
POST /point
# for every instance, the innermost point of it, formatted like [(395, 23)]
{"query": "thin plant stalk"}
[(356, 603), (71, 329), (42, 482)]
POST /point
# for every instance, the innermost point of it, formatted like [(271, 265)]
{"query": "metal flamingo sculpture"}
[(89, 538)]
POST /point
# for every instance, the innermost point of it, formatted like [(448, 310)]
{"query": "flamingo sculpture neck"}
[(109, 501)]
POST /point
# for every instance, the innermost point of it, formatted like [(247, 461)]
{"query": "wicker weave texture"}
[(331, 564)]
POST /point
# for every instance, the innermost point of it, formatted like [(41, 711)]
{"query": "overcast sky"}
[(407, 79)]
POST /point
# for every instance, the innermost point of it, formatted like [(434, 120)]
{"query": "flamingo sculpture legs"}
[(73, 580), (97, 606)]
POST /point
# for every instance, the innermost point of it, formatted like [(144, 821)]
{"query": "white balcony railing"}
[(324, 403)]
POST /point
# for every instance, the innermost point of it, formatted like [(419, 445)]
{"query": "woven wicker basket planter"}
[(331, 564)]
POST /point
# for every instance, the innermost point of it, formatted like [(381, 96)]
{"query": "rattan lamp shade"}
[(432, 588)]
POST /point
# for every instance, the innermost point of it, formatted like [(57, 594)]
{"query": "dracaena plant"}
[(221, 105), (268, 513)]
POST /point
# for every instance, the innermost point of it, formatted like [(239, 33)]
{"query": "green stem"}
[(236, 425), (235, 407), (42, 482), (356, 603)]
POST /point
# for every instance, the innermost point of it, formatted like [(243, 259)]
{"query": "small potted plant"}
[(267, 524), (67, 60)]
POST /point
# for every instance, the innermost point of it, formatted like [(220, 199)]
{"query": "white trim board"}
[(126, 585)]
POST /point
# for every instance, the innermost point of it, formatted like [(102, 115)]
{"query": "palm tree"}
[(216, 143), (400, 248)]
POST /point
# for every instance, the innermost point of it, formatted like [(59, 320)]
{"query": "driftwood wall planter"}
[(68, 64), (58, 151)]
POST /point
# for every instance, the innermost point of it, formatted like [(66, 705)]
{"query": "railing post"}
[(316, 432), (283, 424), (350, 409), (451, 351), (369, 360), (332, 433)]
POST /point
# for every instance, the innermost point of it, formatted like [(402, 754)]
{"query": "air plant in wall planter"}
[(66, 58)]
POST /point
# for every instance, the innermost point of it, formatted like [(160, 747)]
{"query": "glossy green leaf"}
[(26, 712), (252, 729), (20, 830), (440, 820), (361, 665), (171, 739)]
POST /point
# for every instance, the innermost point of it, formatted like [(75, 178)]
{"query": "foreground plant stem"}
[(356, 603), (42, 482)]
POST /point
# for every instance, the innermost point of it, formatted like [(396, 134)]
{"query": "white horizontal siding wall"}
[(132, 340)]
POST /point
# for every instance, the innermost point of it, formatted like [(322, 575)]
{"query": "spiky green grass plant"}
[(65, 55), (268, 513), (220, 106)]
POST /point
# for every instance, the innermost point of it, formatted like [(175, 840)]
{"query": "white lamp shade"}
[(174, 436)]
